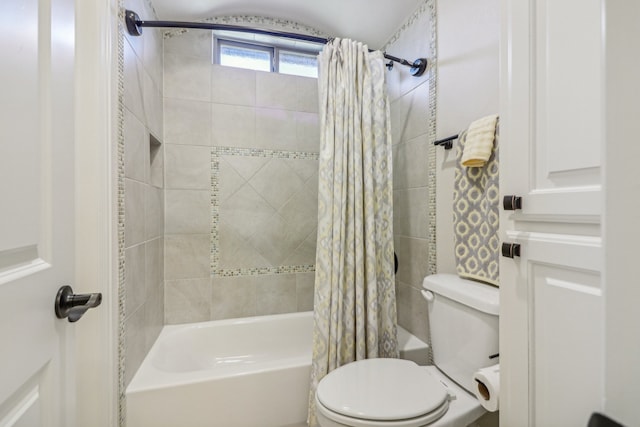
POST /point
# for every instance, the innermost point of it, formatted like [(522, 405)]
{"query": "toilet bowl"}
[(463, 317), (393, 393)]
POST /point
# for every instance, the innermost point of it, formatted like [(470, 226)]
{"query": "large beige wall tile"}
[(187, 211), (305, 168), (133, 82), (135, 277), (196, 43), (412, 255), (153, 106), (229, 180), (412, 311), (154, 266), (410, 208), (134, 212), (246, 166), (305, 253), (307, 89), (305, 290), (276, 182), (275, 90), (233, 125), (276, 294), (136, 342), (187, 77), (276, 129), (153, 316), (246, 211), (136, 147), (410, 163), (307, 132), (233, 297), (236, 252), (275, 241), (409, 114), (187, 301), (154, 212), (156, 158), (187, 256), (187, 122), (187, 167), (300, 212), (152, 57), (233, 86)]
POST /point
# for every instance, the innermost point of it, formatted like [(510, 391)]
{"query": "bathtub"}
[(250, 372)]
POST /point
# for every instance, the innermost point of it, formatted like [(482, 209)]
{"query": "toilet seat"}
[(382, 392)]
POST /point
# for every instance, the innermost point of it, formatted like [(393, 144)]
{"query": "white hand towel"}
[(479, 144)]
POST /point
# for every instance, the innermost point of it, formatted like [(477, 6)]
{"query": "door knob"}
[(511, 203), (73, 306), (510, 250)]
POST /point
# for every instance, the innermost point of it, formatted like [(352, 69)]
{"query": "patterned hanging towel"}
[(475, 216)]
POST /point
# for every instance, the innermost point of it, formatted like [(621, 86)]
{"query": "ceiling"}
[(370, 21)]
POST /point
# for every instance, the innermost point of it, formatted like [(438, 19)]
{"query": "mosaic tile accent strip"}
[(122, 398), (256, 21), (258, 271), (216, 152), (431, 137), (258, 152), (431, 154)]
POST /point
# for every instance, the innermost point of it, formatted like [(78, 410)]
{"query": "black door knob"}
[(510, 250), (511, 203), (73, 306)]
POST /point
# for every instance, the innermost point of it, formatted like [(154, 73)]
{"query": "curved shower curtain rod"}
[(135, 25)]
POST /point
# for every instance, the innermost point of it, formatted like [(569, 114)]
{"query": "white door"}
[(36, 211), (552, 134)]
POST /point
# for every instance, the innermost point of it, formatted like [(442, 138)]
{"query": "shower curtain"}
[(355, 304)]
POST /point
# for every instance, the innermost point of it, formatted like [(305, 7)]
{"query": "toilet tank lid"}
[(481, 296)]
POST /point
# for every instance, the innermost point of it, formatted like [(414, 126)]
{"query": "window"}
[(244, 55), (298, 63), (268, 57)]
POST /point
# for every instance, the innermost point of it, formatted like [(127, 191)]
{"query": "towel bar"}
[(446, 142)]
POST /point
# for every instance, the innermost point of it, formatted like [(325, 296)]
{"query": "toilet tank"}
[(463, 319)]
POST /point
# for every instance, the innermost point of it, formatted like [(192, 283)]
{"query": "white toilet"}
[(463, 317)]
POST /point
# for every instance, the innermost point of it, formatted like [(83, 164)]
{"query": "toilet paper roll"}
[(486, 383)]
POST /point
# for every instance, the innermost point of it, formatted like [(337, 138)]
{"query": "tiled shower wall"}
[(241, 165), (410, 102), (144, 218)]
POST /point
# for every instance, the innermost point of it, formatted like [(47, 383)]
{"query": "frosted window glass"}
[(245, 57), (299, 64)]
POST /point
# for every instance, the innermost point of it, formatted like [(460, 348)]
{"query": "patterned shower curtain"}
[(355, 303)]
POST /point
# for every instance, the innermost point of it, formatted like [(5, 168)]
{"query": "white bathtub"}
[(251, 372)]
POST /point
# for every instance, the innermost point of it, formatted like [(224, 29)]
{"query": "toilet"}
[(463, 318)]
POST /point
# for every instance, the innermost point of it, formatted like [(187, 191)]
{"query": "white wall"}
[(468, 35)]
